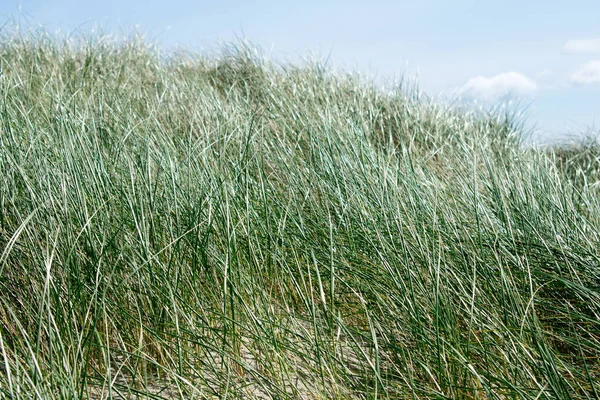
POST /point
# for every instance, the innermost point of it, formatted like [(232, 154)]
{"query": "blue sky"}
[(546, 53)]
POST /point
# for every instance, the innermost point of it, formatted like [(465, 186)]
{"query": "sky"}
[(542, 55)]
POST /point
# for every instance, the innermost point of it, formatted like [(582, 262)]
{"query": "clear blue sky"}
[(545, 52)]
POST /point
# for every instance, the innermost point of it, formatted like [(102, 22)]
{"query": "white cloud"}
[(507, 83), (588, 73), (586, 46)]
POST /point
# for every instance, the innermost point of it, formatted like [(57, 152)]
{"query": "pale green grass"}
[(227, 228)]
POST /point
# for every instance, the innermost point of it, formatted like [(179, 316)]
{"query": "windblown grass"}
[(189, 227)]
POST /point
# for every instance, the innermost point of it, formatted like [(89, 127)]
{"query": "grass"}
[(222, 227)]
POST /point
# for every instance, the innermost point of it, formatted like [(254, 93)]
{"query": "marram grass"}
[(193, 228)]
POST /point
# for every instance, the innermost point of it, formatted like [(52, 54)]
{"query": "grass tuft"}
[(185, 226)]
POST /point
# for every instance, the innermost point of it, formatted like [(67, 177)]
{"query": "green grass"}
[(223, 227)]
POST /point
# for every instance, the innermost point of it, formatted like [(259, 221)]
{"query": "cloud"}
[(585, 46), (507, 83), (588, 73)]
